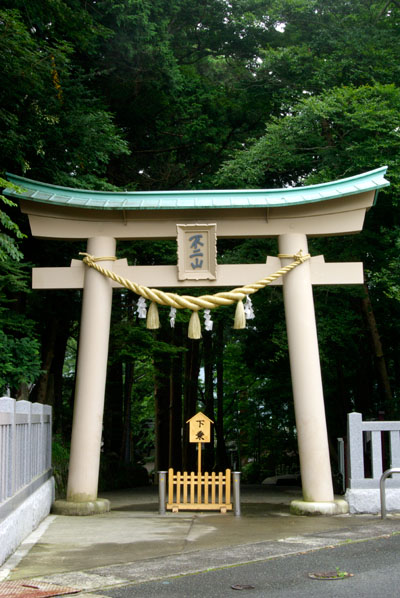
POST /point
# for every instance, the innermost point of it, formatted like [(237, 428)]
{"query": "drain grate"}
[(330, 575), (30, 588)]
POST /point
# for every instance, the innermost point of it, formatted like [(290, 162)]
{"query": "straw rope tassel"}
[(240, 317), (194, 331), (153, 319)]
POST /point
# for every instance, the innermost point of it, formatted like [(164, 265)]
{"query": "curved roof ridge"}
[(38, 191)]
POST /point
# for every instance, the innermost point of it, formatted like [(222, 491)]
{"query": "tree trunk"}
[(192, 368), (162, 365), (126, 445), (175, 406), (222, 457), (113, 409), (208, 359), (57, 385), (49, 388), (49, 336), (383, 378)]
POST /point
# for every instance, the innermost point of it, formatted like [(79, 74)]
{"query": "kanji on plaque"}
[(196, 246), (199, 428)]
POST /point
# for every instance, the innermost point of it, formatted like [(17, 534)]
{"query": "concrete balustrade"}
[(26, 485), (373, 446)]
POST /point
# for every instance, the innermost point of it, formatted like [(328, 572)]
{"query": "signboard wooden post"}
[(200, 432), (208, 491)]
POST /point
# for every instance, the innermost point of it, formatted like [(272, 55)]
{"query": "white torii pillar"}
[(308, 394), (87, 422)]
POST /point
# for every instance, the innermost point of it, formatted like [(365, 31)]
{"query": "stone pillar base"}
[(368, 500), (92, 507), (334, 507)]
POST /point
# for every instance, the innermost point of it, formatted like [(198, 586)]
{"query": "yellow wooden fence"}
[(199, 491)]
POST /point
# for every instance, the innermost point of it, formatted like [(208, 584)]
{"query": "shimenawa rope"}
[(156, 296)]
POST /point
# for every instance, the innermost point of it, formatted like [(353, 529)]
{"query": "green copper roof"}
[(174, 200)]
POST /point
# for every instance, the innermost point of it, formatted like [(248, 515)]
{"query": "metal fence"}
[(25, 447), (373, 447)]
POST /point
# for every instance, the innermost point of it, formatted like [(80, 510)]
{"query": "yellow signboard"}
[(199, 428)]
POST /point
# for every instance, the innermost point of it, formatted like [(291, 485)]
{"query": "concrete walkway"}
[(133, 543)]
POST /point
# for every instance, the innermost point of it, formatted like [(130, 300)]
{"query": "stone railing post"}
[(24, 441), (355, 446), (7, 436)]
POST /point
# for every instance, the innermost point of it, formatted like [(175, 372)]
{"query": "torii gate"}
[(290, 214)]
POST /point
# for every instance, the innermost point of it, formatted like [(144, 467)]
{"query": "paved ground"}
[(133, 551), (373, 564)]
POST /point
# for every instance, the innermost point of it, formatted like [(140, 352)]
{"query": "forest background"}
[(177, 94)]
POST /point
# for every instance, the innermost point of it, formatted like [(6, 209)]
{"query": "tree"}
[(8, 244), (163, 95), (52, 126), (19, 346), (339, 133), (178, 77), (20, 362)]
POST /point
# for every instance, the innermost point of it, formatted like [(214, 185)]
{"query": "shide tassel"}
[(194, 326), (240, 318), (172, 316), (141, 309), (248, 309), (208, 323), (153, 320)]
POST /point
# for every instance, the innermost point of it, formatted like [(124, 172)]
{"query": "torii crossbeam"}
[(195, 217)]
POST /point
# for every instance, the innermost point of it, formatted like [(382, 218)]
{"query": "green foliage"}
[(8, 244), (60, 461), (20, 359), (337, 134), (388, 278), (50, 123)]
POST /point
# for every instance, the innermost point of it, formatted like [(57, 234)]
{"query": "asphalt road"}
[(374, 564)]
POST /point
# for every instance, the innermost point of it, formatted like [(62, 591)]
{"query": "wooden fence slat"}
[(192, 487), (199, 494), (170, 485), (178, 487), (220, 488), (228, 486), (205, 488)]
